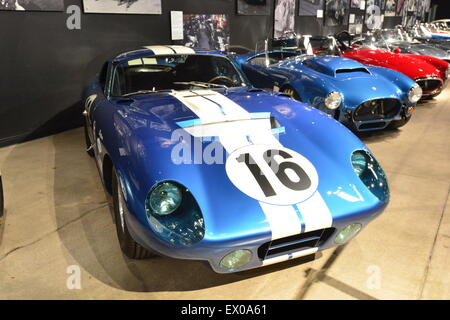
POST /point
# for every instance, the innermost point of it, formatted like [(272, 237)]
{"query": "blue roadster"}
[(361, 97), (202, 166)]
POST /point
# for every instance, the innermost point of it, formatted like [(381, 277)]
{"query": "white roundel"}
[(272, 174)]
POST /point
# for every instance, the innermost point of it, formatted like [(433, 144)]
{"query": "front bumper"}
[(280, 250)]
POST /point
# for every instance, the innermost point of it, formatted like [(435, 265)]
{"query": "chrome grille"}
[(430, 86)]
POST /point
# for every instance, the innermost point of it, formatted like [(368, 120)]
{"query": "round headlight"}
[(415, 93), (371, 174), (236, 259), (347, 233), (333, 100), (164, 198)]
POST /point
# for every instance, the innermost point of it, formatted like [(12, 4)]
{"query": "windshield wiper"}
[(144, 92)]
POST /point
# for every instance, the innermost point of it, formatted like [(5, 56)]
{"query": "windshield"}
[(393, 35), (372, 42), (177, 72)]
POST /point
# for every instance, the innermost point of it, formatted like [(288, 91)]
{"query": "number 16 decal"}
[(274, 175)]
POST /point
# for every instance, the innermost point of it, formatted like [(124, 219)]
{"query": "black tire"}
[(89, 150), (130, 248), (291, 92), (2, 208), (399, 123)]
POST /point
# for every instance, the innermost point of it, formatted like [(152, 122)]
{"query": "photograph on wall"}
[(32, 5), (123, 6), (412, 5), (391, 6), (401, 7), (336, 12), (356, 4), (423, 7), (253, 7), (374, 14), (206, 31), (284, 17), (309, 7), (356, 27)]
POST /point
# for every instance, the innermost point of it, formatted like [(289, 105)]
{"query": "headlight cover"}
[(415, 93), (181, 223), (236, 259), (371, 174), (333, 100), (165, 198), (347, 233)]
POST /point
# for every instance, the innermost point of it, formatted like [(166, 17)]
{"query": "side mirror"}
[(397, 50)]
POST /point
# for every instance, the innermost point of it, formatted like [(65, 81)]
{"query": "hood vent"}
[(352, 70)]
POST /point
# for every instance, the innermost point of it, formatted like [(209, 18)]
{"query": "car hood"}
[(155, 129), (411, 65)]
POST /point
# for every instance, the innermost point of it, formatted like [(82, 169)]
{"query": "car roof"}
[(161, 50)]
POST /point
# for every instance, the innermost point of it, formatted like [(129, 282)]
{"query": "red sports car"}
[(430, 73)]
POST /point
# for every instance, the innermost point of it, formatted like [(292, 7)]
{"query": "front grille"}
[(430, 86), (377, 110), (297, 242)]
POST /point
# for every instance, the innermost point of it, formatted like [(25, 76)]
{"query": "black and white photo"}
[(336, 12), (401, 7), (284, 17), (390, 8), (32, 5), (123, 6), (309, 7), (206, 31), (253, 7), (355, 4)]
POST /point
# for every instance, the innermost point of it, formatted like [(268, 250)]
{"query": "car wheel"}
[(89, 148), (291, 92), (399, 123), (130, 248)]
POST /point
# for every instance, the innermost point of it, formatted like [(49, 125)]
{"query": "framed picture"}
[(253, 7), (391, 6), (309, 7), (284, 17), (356, 4), (123, 6), (32, 5), (206, 31), (336, 12), (401, 7)]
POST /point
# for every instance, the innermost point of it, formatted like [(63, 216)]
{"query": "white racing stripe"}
[(315, 213), (170, 50), (293, 255), (212, 108), (160, 50), (182, 50)]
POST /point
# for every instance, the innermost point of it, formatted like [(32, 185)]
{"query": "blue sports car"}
[(202, 166), (361, 97)]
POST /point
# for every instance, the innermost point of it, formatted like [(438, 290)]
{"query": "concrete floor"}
[(57, 217)]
